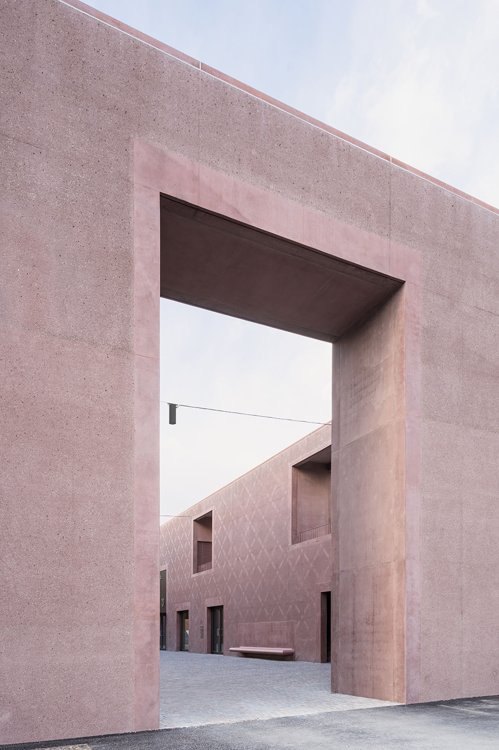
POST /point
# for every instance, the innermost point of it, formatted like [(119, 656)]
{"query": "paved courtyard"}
[(199, 689), (224, 703)]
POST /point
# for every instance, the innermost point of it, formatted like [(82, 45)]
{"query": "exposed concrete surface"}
[(199, 689), (80, 237), (471, 724)]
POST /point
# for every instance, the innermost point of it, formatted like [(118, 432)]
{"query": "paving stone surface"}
[(200, 689)]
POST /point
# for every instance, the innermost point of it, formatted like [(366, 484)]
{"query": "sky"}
[(417, 79)]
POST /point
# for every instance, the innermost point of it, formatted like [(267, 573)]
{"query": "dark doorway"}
[(162, 631), (183, 630), (162, 610), (217, 630), (326, 626)]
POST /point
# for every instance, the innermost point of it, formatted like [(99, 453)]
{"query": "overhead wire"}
[(237, 413), (244, 413)]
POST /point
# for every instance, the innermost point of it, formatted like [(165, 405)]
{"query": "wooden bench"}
[(263, 650)]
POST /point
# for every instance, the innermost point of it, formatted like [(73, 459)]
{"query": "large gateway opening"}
[(248, 559)]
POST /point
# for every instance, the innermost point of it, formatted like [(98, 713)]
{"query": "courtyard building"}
[(250, 567)]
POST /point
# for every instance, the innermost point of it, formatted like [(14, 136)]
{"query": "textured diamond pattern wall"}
[(257, 574)]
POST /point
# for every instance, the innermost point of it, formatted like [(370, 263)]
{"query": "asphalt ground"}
[(469, 724), (212, 702)]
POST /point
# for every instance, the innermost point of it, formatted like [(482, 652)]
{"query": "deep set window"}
[(202, 529), (311, 497)]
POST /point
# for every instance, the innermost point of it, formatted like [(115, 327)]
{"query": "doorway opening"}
[(215, 263), (325, 627), (216, 629), (232, 498), (162, 610), (183, 630)]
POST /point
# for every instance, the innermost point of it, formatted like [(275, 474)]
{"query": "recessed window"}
[(202, 529), (311, 501)]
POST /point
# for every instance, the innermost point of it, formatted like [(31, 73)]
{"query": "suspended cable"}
[(173, 414)]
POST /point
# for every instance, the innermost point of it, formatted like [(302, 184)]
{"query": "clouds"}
[(422, 85), (415, 79)]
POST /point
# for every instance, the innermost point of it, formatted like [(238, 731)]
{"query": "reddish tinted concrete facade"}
[(97, 124), (270, 588)]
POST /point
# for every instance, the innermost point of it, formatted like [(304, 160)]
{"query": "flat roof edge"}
[(255, 468), (187, 59)]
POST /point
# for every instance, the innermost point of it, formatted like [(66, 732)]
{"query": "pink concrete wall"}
[(79, 557), (369, 507), (458, 558), (269, 588), (79, 295)]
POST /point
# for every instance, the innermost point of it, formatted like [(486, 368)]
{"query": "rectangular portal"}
[(226, 262), (216, 628), (162, 610), (325, 626), (183, 630)]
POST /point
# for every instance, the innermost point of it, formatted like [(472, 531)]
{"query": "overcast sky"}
[(415, 78)]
